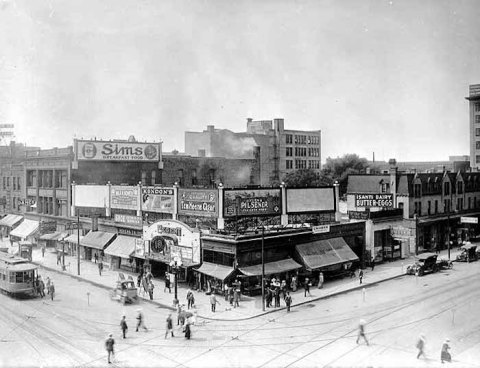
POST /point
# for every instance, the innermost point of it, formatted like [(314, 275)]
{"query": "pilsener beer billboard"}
[(254, 202), (116, 151), (374, 200)]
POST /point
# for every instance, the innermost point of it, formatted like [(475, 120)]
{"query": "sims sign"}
[(116, 151)]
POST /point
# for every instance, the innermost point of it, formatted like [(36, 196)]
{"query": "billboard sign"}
[(127, 219), (374, 200), (198, 202), (468, 220), (310, 199), (124, 197), (88, 150), (156, 199), (252, 202)]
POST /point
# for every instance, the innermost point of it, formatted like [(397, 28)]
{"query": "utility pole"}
[(263, 269), (78, 243)]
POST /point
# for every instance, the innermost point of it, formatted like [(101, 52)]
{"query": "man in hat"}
[(109, 346)]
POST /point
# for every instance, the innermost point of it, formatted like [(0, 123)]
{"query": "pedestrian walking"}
[(293, 284), (95, 257), (360, 276), (140, 321), (268, 298), (188, 331), (320, 280), (41, 287), (306, 286), (225, 291), (59, 258), (277, 297), (167, 283), (169, 325), (190, 299), (100, 268), (421, 346), (213, 302), (288, 301), (47, 285), (361, 331), (230, 295), (124, 327), (139, 279), (372, 263), (43, 251), (445, 354), (180, 315), (52, 290), (236, 298), (150, 289), (109, 347)]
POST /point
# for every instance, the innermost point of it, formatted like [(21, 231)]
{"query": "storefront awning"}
[(324, 253), (10, 220), (123, 246), (97, 239), (25, 229), (217, 271), (73, 238), (271, 268), (53, 236)]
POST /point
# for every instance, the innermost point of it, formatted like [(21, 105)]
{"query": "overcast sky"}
[(388, 77)]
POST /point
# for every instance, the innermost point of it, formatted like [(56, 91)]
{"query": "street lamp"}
[(175, 264)]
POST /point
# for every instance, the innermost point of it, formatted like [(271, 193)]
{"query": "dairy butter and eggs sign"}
[(374, 200), (186, 243), (116, 151)]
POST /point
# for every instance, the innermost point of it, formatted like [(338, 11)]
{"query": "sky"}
[(383, 77)]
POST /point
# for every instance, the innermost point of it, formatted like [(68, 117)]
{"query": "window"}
[(300, 164), (460, 187), (477, 106), (288, 139), (446, 188), (477, 159), (436, 206), (180, 177), (429, 207), (459, 204), (289, 151), (477, 145), (477, 119), (289, 164), (417, 190), (313, 164), (194, 177), (300, 139), (385, 187), (469, 203), (154, 177), (144, 177)]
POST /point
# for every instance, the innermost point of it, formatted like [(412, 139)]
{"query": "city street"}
[(71, 329)]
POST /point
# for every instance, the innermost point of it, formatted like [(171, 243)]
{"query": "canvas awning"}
[(25, 229), (123, 246), (10, 220), (73, 238), (217, 271), (284, 265), (97, 239), (53, 236), (324, 253)]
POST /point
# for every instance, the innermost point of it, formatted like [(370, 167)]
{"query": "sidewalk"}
[(250, 307)]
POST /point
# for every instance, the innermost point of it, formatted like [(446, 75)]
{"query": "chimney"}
[(393, 180), (249, 120), (278, 125), (210, 128)]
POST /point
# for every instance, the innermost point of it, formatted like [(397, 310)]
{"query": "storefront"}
[(119, 254), (52, 240), (170, 241), (94, 243), (8, 223), (212, 277), (71, 244), (26, 231)]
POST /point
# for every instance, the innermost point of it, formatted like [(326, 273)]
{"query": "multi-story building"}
[(474, 104), (425, 210), (281, 151)]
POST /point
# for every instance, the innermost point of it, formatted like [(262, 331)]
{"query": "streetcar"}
[(17, 275)]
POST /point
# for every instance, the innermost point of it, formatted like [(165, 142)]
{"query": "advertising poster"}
[(124, 197), (88, 150), (156, 199), (374, 200), (198, 202), (252, 202), (91, 195), (310, 199)]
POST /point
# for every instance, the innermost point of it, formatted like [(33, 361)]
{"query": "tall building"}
[(281, 151), (474, 102)]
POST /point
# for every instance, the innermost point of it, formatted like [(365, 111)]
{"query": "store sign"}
[(171, 238), (198, 202), (254, 202), (402, 231), (139, 248), (321, 229), (27, 202), (127, 219), (156, 199), (124, 197), (374, 200), (358, 215), (116, 151), (469, 220)]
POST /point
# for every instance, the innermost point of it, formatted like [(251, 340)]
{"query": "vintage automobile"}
[(125, 291), (444, 263), (468, 253), (424, 263)]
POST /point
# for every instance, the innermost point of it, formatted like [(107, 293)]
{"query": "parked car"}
[(125, 292), (424, 263), (468, 254), (444, 263)]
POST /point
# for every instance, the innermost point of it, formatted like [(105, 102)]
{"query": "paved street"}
[(70, 330)]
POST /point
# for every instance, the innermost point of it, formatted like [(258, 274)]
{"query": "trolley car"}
[(17, 275)]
